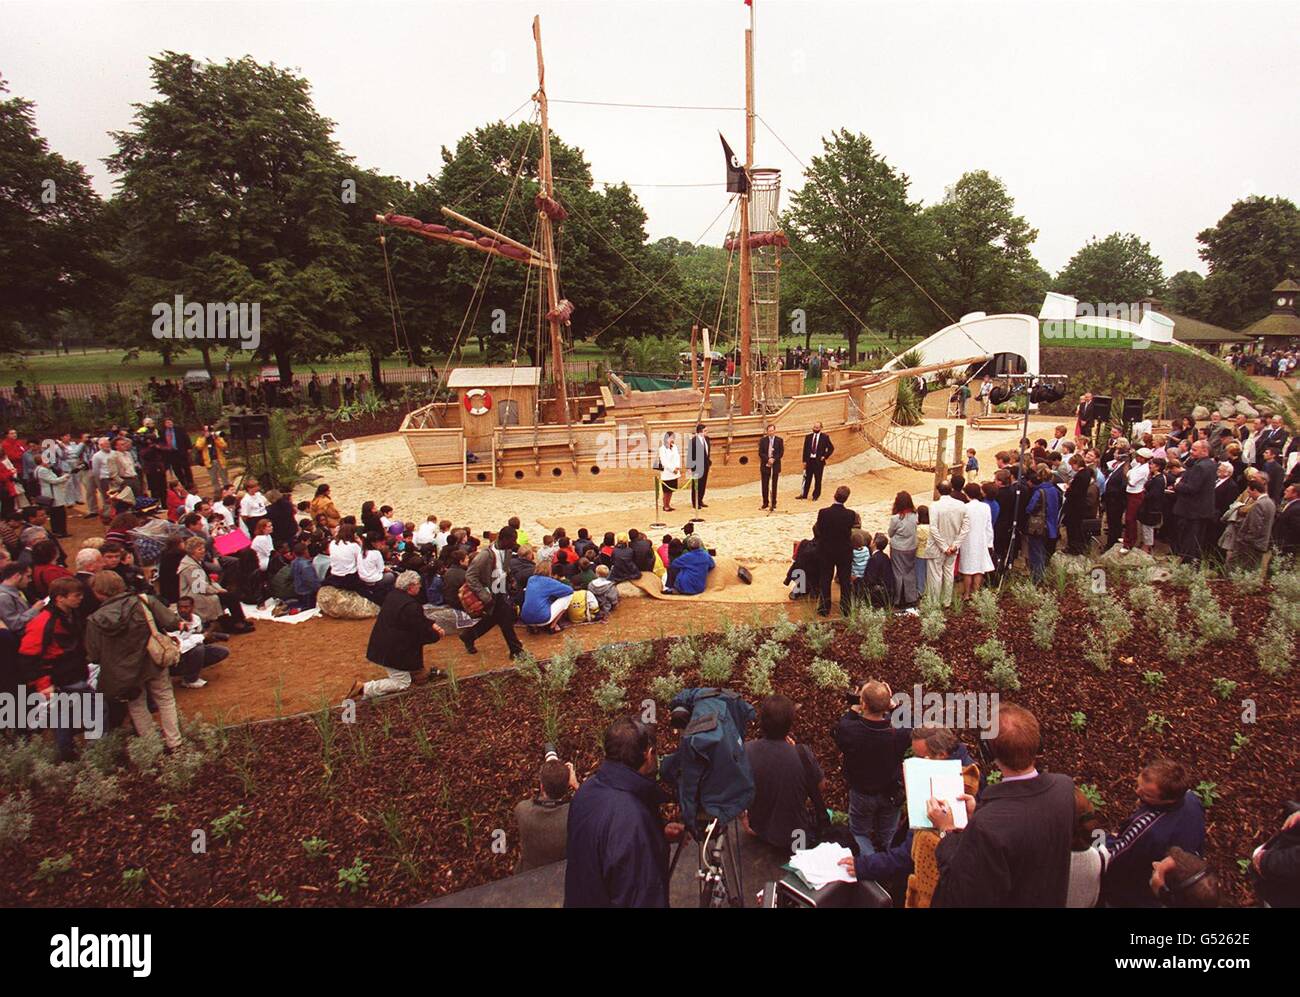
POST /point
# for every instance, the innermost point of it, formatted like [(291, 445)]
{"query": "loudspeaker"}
[(1101, 408), (1132, 411), (1045, 393), (1000, 394), (256, 426)]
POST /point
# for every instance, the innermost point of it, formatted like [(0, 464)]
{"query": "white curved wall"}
[(978, 334)]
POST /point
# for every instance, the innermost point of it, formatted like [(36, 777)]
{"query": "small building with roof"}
[(1280, 328)]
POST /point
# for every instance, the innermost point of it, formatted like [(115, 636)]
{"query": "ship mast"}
[(746, 274), (547, 233)]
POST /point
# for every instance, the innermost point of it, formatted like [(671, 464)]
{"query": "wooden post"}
[(940, 461), (695, 374), (959, 437)]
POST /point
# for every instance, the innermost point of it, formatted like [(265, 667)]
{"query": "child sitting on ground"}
[(605, 591)]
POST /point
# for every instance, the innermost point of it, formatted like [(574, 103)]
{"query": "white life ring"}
[(478, 401)]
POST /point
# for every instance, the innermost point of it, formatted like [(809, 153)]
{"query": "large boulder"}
[(1247, 409), (344, 605), (1227, 408), (1200, 413)]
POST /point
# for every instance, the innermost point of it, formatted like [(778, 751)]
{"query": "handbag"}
[(164, 651), (470, 602)]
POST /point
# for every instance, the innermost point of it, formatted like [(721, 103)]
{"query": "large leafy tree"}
[(851, 225), (1183, 293), (1251, 248), (619, 286), (51, 231), (1119, 268), (232, 189), (980, 251)]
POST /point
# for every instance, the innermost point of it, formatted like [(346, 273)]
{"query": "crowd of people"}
[(1271, 363), (1029, 838), (1228, 491)]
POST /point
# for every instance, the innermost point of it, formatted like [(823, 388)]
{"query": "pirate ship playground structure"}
[(516, 426)]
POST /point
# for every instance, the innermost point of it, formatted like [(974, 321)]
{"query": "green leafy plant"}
[(1156, 723), (145, 752), (422, 743), (933, 621), (165, 812), (133, 880), (828, 675), (610, 696), (1153, 679), (1208, 792), (682, 654), (1239, 742), (994, 777), (818, 637), (1274, 649), (354, 878), (1093, 795), (784, 630), (758, 676), (289, 458), (402, 842), (931, 667), (94, 790), (315, 847), (50, 869), (270, 897), (664, 687), (230, 824), (15, 819), (1078, 721), (1223, 688), (716, 665), (180, 768)]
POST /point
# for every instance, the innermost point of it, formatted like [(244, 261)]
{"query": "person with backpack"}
[(488, 582), (53, 652), (128, 637)]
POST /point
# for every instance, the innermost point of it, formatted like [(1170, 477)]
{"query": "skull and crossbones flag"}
[(737, 181)]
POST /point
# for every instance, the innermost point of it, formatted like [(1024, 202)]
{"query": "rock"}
[(1200, 413), (1134, 557), (1227, 409), (344, 605), (1247, 409)]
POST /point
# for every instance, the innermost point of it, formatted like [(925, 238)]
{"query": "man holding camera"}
[(617, 846), (873, 751), (544, 820)]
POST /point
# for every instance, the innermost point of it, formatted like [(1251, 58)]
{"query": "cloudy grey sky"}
[(1150, 116)]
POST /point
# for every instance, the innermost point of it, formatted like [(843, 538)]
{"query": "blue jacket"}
[(617, 853), (1147, 837), (710, 768), (1049, 493), (539, 593), (305, 580), (691, 571)]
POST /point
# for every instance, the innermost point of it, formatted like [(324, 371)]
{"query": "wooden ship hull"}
[(616, 452)]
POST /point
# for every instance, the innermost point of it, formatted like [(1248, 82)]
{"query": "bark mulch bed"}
[(420, 789)]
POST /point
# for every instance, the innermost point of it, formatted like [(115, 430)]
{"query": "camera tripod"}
[(718, 871)]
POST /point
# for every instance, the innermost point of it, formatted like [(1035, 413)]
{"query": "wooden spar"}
[(695, 333), (533, 260), (708, 365), (490, 232), (746, 274), (547, 231), (866, 376)]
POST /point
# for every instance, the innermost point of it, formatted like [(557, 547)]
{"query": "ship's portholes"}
[(744, 460), (519, 475), (595, 468), (480, 476), (556, 472)]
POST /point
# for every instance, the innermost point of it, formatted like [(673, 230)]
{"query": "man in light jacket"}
[(949, 525)]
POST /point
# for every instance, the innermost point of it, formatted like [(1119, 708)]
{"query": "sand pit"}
[(381, 469)]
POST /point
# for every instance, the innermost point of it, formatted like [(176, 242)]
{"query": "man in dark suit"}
[(771, 448), (833, 532), (699, 458), (1086, 416), (1028, 817), (1115, 497), (1194, 502), (1013, 497), (176, 445), (817, 448), (1286, 525), (1276, 476), (1273, 438)]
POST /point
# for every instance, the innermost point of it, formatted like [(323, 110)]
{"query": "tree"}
[(980, 256), (1117, 269), (1183, 293), (51, 231), (1248, 251), (846, 222), (233, 190)]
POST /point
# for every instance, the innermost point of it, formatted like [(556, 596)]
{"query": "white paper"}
[(921, 776)]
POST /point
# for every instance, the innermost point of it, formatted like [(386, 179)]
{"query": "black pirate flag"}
[(737, 181)]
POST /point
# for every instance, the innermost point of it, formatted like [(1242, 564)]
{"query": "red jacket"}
[(52, 649)]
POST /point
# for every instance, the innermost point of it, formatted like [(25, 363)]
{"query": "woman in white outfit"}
[(974, 559), (670, 469)]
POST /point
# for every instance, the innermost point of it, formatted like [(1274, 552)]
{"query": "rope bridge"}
[(898, 444)]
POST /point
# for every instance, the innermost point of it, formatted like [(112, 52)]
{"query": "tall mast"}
[(746, 275), (548, 233)]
